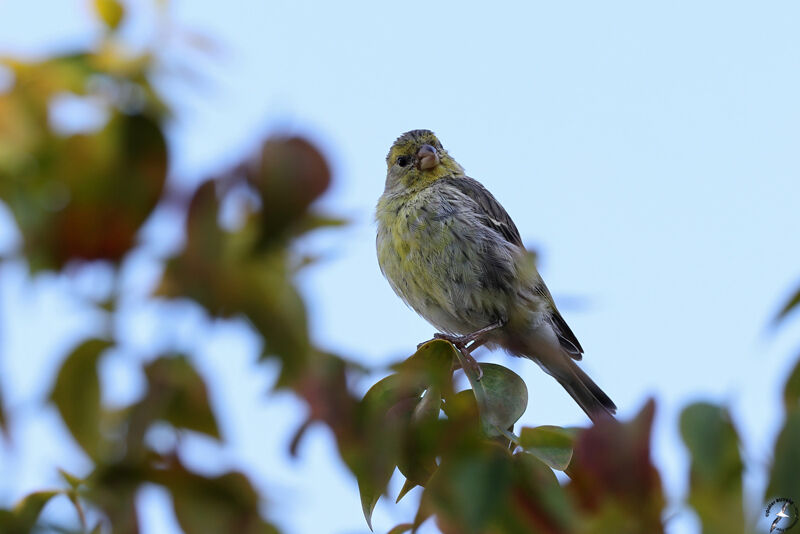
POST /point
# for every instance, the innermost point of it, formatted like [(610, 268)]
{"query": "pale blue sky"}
[(648, 151)]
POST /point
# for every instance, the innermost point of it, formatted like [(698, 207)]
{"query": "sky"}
[(647, 151)]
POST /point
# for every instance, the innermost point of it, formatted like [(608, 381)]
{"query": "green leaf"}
[(77, 395), (506, 397), (386, 392), (377, 458), (324, 388), (72, 495), (110, 12), (112, 487), (222, 272), (791, 392), (540, 503), (785, 473), (613, 478), (712, 441), (500, 393), (402, 528), (292, 174), (402, 427), (112, 181), (430, 366), (80, 196), (181, 394), (316, 221), (424, 511), (73, 481), (29, 508), (417, 460), (428, 407), (205, 239), (370, 494), (227, 503), (550, 444), (471, 487), (791, 304), (224, 503), (23, 517), (716, 467), (407, 486), (461, 406)]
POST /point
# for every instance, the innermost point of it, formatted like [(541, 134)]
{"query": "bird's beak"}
[(427, 158)]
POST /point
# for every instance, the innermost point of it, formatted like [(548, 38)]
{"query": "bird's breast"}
[(441, 265)]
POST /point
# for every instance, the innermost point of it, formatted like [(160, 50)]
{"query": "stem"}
[(480, 397), (477, 389)]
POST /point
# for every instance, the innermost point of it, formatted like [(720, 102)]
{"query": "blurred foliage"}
[(716, 470), (78, 197)]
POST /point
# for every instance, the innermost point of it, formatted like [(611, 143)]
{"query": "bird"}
[(453, 254), (780, 515)]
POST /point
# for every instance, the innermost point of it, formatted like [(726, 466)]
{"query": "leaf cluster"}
[(82, 197)]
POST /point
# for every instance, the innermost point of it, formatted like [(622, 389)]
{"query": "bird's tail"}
[(543, 346), (586, 393)]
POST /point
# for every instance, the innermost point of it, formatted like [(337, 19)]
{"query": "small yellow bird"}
[(453, 254)]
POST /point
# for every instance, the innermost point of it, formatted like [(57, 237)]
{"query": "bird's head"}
[(417, 159)]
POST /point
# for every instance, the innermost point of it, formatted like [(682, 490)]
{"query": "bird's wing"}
[(493, 214), (497, 218), (569, 342)]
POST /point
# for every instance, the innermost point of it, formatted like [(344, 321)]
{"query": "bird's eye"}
[(403, 161)]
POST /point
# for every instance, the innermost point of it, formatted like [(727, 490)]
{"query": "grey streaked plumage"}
[(453, 254)]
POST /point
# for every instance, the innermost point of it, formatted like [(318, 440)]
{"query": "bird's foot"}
[(476, 338), (458, 341), (462, 341)]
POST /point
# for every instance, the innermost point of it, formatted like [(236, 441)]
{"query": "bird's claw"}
[(458, 341)]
